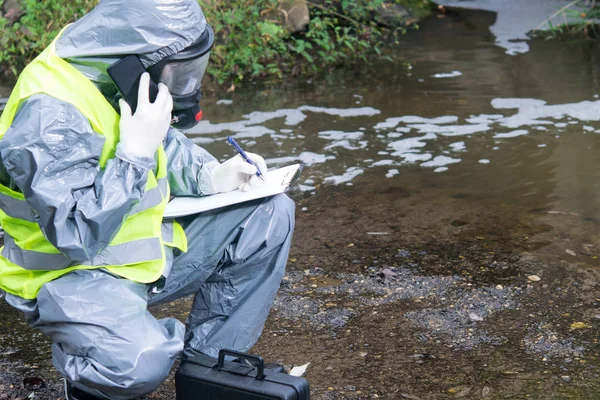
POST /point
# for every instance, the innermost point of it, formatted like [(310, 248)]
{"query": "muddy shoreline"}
[(420, 292)]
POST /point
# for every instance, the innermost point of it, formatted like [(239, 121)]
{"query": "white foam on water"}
[(542, 145), (532, 111), (306, 188), (519, 132), (350, 174), (452, 74), (441, 161), (343, 112), (484, 118), (254, 131), (307, 157), (411, 158), (413, 119), (408, 145), (292, 116), (451, 130), (346, 145), (458, 146), (408, 139), (383, 163), (206, 127), (340, 135), (391, 173)]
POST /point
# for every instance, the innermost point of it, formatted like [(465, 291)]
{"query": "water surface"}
[(460, 112)]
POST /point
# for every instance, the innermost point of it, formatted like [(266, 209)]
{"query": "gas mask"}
[(182, 73)]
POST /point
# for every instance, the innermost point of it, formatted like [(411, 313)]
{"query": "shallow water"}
[(524, 128)]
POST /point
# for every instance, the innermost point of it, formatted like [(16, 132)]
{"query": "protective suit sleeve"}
[(189, 166), (52, 155)]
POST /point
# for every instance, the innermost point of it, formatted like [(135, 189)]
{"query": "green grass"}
[(581, 19)]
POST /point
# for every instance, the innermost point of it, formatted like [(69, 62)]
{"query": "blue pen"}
[(244, 155)]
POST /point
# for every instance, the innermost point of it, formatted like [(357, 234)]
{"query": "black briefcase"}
[(205, 378)]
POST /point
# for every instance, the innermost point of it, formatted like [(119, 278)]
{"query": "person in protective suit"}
[(83, 186)]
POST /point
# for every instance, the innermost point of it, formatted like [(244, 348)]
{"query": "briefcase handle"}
[(257, 361)]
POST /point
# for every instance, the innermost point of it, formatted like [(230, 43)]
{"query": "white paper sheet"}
[(278, 181)]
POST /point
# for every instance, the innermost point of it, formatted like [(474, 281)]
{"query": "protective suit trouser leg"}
[(108, 344), (234, 265), (105, 341)]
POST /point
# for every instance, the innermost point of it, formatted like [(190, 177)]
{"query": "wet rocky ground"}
[(416, 291)]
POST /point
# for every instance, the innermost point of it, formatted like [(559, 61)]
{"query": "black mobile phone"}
[(126, 74)]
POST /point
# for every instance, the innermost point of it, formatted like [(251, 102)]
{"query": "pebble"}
[(403, 253), (534, 278), (475, 317), (566, 378)]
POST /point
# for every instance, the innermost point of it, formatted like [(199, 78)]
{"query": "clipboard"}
[(278, 181)]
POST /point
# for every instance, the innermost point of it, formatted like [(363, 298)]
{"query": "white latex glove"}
[(143, 132), (236, 173)]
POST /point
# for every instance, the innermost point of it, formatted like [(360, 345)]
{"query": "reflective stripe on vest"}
[(17, 208), (122, 254), (28, 259)]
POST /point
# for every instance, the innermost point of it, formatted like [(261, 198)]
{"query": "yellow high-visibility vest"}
[(137, 250)]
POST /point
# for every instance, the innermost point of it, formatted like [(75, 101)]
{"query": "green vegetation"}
[(39, 23), (581, 18), (251, 41), (252, 38)]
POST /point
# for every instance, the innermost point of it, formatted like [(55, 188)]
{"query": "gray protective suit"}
[(105, 340)]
